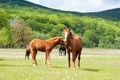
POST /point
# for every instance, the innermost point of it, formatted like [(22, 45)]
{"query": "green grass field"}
[(96, 64)]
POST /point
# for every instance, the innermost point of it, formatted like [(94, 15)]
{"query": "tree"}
[(117, 42), (106, 42), (5, 30), (90, 39), (39, 35), (57, 30), (22, 33), (3, 37), (3, 19)]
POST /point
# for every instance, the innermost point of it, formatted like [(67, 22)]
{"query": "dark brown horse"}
[(27, 51), (74, 45), (62, 49), (44, 46)]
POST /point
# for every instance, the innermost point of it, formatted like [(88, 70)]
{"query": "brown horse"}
[(44, 46), (27, 51), (74, 45), (62, 49)]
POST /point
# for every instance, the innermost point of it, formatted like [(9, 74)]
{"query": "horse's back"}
[(38, 44)]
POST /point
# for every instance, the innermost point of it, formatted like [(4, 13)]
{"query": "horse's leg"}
[(49, 59), (46, 56), (59, 52), (34, 57), (69, 60), (79, 55), (73, 58), (64, 52), (26, 54)]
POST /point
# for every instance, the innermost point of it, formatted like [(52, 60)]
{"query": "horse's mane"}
[(71, 34), (54, 38)]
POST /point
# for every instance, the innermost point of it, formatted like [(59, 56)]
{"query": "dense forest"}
[(22, 21)]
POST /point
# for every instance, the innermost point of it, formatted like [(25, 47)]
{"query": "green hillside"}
[(113, 14), (21, 21)]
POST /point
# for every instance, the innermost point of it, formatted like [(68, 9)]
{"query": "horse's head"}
[(58, 40), (61, 42), (67, 35)]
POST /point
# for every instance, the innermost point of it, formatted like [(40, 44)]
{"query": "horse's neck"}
[(54, 43), (70, 41)]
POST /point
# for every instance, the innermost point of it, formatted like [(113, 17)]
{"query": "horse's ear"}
[(69, 29), (70, 33)]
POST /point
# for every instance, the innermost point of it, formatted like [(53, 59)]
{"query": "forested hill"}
[(22, 21), (23, 3), (112, 14)]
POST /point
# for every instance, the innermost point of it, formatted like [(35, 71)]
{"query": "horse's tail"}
[(27, 54)]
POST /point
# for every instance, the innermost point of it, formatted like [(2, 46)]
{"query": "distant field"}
[(96, 64)]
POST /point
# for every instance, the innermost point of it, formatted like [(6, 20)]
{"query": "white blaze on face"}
[(66, 34)]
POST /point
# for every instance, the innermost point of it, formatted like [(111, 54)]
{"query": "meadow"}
[(96, 64)]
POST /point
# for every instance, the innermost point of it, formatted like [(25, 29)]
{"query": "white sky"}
[(79, 5)]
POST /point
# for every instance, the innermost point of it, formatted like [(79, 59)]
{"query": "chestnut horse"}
[(74, 45), (44, 46)]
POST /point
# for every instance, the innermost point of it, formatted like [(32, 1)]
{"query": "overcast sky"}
[(79, 5)]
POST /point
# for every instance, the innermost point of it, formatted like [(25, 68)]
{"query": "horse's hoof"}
[(49, 65), (68, 67), (34, 64), (78, 67), (73, 68), (45, 64)]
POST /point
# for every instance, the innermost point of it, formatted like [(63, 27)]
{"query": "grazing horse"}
[(61, 50), (27, 51), (44, 46), (74, 45)]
